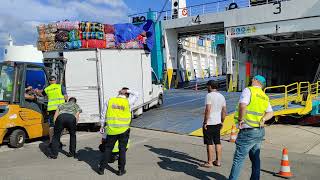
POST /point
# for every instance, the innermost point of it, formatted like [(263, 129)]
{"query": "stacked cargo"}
[(91, 35)]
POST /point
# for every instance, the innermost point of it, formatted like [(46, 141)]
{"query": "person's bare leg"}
[(210, 154), (218, 149)]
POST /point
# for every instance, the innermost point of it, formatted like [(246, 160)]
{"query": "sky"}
[(20, 17)]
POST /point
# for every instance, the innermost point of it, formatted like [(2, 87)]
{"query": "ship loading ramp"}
[(182, 111)]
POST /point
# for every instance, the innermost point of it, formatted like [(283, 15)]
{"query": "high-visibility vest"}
[(256, 109), (55, 96), (116, 147), (118, 116)]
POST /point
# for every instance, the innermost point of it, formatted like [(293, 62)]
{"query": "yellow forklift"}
[(20, 118)]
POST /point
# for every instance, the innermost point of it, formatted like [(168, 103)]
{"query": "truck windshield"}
[(6, 82)]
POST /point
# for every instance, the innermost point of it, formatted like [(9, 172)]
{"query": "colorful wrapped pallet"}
[(131, 45), (110, 45), (62, 36), (110, 37), (47, 37), (93, 44), (74, 35), (74, 45), (92, 35), (108, 29), (91, 27), (68, 25)]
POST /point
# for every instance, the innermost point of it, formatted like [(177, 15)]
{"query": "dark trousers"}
[(111, 140), (69, 122)]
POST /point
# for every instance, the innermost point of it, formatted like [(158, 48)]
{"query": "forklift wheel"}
[(17, 138)]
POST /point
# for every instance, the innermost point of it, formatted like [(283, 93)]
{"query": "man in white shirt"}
[(253, 110), (215, 113)]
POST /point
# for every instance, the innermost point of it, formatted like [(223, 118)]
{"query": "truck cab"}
[(22, 118)]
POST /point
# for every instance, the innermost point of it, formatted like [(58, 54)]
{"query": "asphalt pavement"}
[(152, 155)]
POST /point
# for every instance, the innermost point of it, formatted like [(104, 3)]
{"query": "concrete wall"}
[(171, 48), (294, 9)]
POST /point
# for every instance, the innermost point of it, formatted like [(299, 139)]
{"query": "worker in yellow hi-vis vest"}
[(57, 95), (116, 125), (252, 111)]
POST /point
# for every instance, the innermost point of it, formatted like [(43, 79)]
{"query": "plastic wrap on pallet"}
[(108, 29), (73, 45), (92, 35), (60, 45), (62, 36), (41, 46), (126, 32), (68, 25), (91, 27), (43, 37), (73, 35), (110, 44), (131, 45), (46, 46), (148, 27), (93, 43), (109, 37), (47, 28)]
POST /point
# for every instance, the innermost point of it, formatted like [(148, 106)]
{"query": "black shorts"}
[(212, 134)]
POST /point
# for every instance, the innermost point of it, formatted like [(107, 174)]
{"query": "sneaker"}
[(74, 155), (121, 172), (52, 156), (100, 170)]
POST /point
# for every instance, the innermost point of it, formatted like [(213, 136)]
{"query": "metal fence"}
[(213, 7)]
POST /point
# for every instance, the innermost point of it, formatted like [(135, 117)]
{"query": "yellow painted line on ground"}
[(226, 129)]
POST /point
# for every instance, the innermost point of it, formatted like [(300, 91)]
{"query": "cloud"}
[(20, 17), (113, 3)]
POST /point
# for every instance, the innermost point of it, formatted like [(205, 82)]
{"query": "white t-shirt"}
[(217, 102)]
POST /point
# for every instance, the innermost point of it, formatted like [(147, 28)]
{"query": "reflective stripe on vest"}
[(116, 147), (55, 96), (118, 116), (259, 103)]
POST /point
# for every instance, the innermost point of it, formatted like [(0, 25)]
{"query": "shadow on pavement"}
[(92, 157), (44, 148), (175, 154), (269, 172), (189, 167)]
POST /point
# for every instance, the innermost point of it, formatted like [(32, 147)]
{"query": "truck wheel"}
[(160, 101), (17, 138)]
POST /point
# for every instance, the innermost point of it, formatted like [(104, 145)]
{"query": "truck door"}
[(146, 77), (81, 78)]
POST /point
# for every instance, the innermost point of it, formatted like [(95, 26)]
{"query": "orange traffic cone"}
[(233, 135), (285, 167)]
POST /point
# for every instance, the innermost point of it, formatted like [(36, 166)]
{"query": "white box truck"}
[(93, 76)]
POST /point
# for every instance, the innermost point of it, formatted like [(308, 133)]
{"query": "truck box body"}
[(93, 76)]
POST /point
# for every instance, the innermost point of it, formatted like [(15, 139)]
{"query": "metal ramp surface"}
[(182, 111)]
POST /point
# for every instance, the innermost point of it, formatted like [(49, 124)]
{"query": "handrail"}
[(292, 93)]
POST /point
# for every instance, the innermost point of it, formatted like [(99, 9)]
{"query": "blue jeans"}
[(248, 142)]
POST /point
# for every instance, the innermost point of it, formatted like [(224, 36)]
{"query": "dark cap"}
[(52, 78), (213, 84)]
